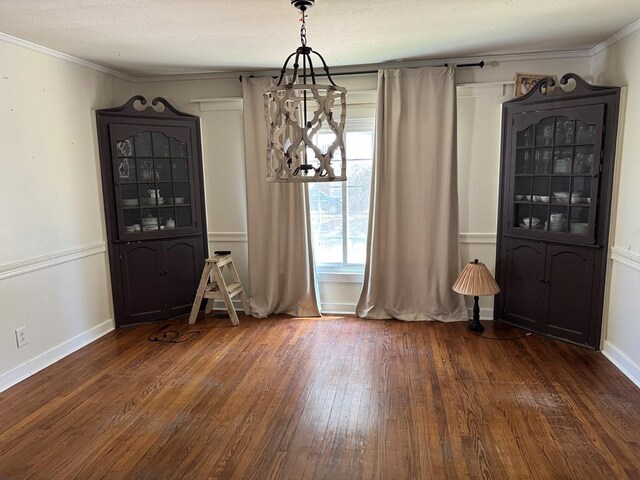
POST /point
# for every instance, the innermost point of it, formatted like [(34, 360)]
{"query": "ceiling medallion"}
[(305, 120)]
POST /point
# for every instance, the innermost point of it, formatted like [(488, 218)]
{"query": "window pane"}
[(360, 145), (358, 190), (339, 211), (325, 201)]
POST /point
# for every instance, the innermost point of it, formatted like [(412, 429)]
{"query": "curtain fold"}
[(281, 274), (412, 246)]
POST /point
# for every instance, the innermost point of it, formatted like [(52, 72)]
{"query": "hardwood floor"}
[(331, 398)]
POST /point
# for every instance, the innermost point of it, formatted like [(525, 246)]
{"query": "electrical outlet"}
[(21, 336)]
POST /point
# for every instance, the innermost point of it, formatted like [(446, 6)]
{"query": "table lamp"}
[(475, 279)]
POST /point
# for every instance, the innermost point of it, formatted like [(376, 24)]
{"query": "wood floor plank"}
[(330, 398)]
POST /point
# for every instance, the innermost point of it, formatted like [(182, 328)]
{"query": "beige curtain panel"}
[(281, 275), (412, 250)]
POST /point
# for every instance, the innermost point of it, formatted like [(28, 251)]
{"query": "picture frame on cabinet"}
[(526, 81)]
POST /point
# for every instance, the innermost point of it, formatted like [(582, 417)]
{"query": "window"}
[(340, 210)]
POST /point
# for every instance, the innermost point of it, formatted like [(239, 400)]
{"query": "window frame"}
[(360, 118)]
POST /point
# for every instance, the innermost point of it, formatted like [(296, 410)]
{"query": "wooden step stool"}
[(217, 288)]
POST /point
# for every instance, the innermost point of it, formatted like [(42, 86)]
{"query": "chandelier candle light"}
[(297, 111), (475, 279)]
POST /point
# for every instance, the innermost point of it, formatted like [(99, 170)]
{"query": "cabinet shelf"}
[(559, 145), (553, 204)]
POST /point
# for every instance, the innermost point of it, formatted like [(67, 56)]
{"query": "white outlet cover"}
[(21, 336)]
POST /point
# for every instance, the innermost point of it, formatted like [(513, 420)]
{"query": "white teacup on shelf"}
[(533, 221), (576, 197)]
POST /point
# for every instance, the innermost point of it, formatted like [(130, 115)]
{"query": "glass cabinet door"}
[(153, 180), (554, 173)]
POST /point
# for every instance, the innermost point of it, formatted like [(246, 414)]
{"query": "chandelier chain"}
[(303, 30)]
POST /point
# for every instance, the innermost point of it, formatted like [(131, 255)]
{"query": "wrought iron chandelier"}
[(305, 120)]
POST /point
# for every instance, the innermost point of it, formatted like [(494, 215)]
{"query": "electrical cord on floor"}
[(172, 336), (501, 327), (503, 338)]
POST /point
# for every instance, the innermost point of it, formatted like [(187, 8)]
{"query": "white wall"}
[(480, 96), (223, 156), (481, 93), (618, 65), (53, 267)]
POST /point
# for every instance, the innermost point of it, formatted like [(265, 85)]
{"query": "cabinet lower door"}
[(141, 283), (569, 278), (183, 261), (524, 288)]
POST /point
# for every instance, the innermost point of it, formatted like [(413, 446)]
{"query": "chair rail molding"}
[(478, 238), (626, 257), (468, 238), (47, 260), (227, 237)]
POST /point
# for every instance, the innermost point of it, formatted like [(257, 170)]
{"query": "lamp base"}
[(475, 325)]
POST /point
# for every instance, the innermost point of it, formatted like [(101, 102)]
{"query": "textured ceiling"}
[(153, 37)]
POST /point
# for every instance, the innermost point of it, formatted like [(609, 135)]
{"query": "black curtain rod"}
[(366, 72)]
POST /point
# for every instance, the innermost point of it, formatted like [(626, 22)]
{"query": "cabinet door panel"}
[(569, 277), (554, 173), (183, 261), (154, 181), (523, 287), (141, 282)]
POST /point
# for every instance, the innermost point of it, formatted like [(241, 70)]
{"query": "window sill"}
[(326, 275)]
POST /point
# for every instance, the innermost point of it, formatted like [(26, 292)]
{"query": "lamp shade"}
[(475, 279)]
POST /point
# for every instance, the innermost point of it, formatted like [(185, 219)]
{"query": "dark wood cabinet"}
[(525, 270), (182, 265), (154, 208), (547, 288), (141, 282), (558, 148), (568, 281)]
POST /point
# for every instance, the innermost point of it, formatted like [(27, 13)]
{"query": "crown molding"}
[(615, 38), (217, 75), (188, 77), (363, 69), (63, 56), (224, 104)]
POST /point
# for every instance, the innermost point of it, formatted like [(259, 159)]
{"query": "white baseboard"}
[(347, 309), (51, 356), (350, 309), (325, 308), (622, 362), (338, 308)]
